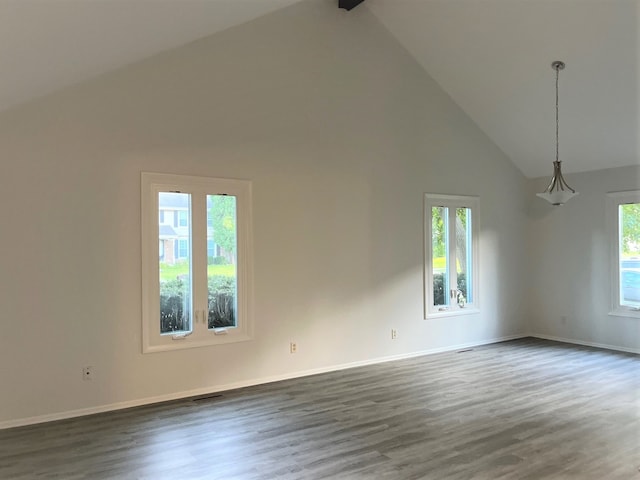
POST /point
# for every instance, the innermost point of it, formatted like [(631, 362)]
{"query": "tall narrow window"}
[(174, 274), (623, 212), (451, 254), (221, 276), (192, 297)]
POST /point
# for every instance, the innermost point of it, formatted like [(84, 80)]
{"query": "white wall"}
[(341, 133), (570, 276)]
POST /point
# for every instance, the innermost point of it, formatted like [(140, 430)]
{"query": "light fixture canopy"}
[(558, 192)]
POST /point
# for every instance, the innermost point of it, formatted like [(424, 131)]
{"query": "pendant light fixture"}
[(558, 192)]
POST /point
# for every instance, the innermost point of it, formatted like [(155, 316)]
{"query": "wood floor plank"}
[(525, 409)]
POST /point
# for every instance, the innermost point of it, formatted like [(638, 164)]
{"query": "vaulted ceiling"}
[(493, 57)]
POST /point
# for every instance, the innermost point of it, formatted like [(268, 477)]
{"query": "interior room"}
[(350, 138)]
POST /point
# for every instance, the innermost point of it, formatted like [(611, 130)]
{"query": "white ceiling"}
[(492, 56)]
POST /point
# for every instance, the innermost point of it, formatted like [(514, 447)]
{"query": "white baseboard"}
[(586, 344), (231, 386)]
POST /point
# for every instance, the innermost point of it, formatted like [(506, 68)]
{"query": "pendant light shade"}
[(558, 192)]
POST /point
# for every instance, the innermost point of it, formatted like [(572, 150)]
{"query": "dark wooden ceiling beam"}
[(349, 4)]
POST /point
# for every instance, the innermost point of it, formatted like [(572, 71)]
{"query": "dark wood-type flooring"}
[(525, 409)]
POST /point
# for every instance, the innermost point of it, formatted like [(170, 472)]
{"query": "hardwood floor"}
[(525, 409)]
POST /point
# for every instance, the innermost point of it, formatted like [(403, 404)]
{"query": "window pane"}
[(463, 253), (183, 248), (182, 218), (629, 267), (174, 267), (221, 272), (439, 249)]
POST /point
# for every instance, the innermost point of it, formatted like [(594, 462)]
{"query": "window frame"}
[(613, 202), (199, 188), (451, 201)]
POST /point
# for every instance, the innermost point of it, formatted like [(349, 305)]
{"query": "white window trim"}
[(151, 184), (614, 199), (472, 202)]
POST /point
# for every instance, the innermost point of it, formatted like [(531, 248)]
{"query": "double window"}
[(623, 214), (191, 297), (451, 254)]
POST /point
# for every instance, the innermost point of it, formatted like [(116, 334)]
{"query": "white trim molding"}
[(246, 383)]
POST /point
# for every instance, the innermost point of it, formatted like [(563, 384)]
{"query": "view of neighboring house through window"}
[(174, 264), (624, 216), (451, 254), (198, 294)]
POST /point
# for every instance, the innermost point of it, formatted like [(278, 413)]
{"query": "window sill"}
[(453, 313), (624, 312), (196, 343)]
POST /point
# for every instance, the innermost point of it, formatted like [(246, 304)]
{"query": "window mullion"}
[(199, 261), (452, 265)]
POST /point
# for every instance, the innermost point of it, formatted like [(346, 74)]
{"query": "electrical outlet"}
[(293, 347), (394, 334), (87, 373)]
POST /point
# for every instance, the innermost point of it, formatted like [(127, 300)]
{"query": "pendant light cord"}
[(557, 121)]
